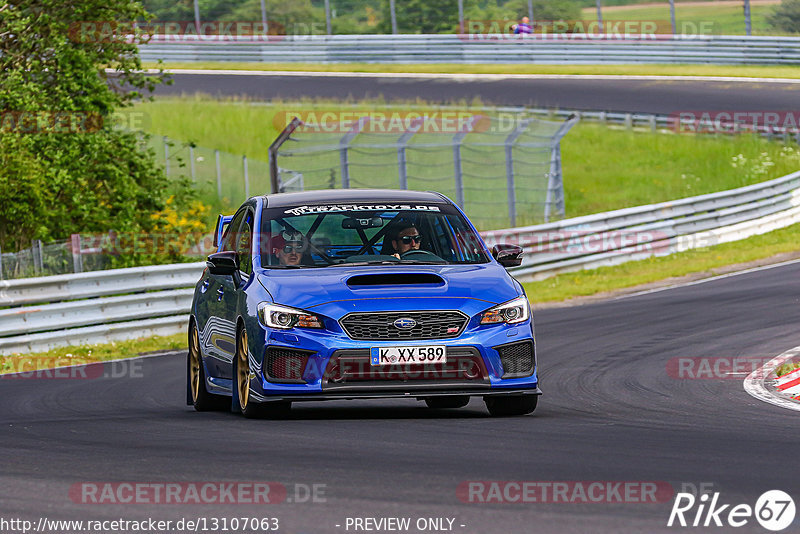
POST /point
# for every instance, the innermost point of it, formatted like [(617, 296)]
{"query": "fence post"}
[(511, 189), (402, 143), (272, 153), (555, 178), (219, 176), (344, 144), (36, 252), (75, 246), (166, 156), (246, 178), (1, 263), (458, 139), (191, 166)]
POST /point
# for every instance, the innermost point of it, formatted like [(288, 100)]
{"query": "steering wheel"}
[(419, 254)]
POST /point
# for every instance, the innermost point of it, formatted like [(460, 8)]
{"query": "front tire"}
[(511, 405), (199, 397), (242, 401)]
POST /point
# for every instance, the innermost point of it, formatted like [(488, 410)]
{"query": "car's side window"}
[(229, 240), (244, 244)]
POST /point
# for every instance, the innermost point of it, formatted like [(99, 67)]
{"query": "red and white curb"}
[(781, 391)]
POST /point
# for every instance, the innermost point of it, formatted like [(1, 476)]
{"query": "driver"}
[(406, 239), (290, 246)]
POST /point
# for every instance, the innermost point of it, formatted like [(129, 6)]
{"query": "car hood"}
[(336, 291)]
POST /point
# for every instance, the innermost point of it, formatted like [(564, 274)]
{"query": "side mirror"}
[(223, 263), (507, 255)]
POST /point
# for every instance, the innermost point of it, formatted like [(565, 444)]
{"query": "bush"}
[(786, 16)]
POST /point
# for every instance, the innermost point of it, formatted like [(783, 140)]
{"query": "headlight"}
[(513, 311), (284, 317)]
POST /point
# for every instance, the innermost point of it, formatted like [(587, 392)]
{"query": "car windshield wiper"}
[(424, 262)]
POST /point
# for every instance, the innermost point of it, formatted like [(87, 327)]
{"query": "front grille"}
[(351, 369), (517, 358), (285, 365), (379, 326)]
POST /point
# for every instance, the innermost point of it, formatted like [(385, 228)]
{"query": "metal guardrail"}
[(129, 303), (657, 229), (489, 48)]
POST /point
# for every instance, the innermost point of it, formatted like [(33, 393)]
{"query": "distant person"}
[(523, 27)]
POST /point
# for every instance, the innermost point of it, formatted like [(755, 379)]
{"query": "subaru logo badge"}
[(405, 323)]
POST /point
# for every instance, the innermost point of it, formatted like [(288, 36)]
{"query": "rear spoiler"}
[(222, 223)]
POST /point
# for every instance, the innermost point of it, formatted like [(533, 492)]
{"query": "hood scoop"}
[(395, 279)]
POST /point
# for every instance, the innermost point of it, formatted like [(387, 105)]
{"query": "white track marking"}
[(709, 279), (475, 76), (754, 383)]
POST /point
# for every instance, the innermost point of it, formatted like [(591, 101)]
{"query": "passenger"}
[(407, 238), (290, 252)]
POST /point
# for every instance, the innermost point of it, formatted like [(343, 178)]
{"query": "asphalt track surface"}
[(610, 412), (628, 95)]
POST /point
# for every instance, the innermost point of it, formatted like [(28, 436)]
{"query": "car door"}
[(218, 336)]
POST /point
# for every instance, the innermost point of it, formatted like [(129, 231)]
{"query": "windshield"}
[(379, 234)]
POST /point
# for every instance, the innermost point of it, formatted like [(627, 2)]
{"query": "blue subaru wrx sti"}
[(358, 294)]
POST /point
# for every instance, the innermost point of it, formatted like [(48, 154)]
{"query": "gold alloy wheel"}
[(194, 364), (243, 371)]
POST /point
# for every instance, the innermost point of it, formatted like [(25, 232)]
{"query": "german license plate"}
[(403, 355)]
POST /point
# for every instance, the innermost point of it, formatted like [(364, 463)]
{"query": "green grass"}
[(84, 354), (739, 71), (787, 368), (604, 168), (634, 273), (721, 20)]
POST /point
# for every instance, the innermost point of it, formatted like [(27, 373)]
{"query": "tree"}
[(421, 16), (786, 16), (64, 168)]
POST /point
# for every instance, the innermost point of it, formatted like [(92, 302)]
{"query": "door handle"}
[(220, 292)]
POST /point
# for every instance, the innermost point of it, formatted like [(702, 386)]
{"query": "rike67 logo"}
[(774, 510)]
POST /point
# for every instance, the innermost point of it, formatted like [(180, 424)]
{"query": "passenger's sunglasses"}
[(408, 239), (288, 249)]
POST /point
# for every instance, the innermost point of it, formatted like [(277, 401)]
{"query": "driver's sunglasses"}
[(288, 249), (407, 239)]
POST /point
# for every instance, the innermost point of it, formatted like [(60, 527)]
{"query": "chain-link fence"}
[(503, 170), (55, 257)]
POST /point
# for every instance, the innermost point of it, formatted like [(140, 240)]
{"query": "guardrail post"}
[(75, 248), (510, 187), (246, 178), (219, 176), (628, 121), (653, 126)]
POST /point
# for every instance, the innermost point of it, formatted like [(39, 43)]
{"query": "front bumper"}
[(474, 366)]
